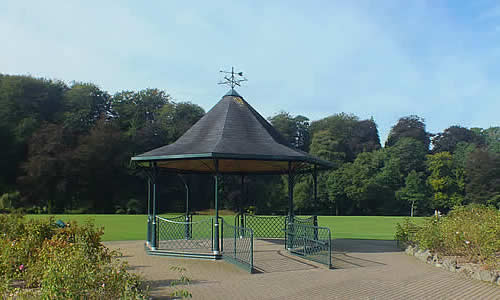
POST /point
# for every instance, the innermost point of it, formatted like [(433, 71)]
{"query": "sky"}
[(439, 60)]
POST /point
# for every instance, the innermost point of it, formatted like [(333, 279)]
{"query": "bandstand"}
[(231, 139)]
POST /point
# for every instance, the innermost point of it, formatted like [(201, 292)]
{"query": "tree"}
[(151, 119), (177, 118), (415, 191), (446, 186), (364, 137), (9, 152), (492, 137), (44, 177), (295, 130), (347, 134), (25, 104), (337, 181), (325, 146), (338, 129), (97, 167), (450, 137), (355, 188), (84, 104), (483, 173), (133, 110), (410, 126), (406, 155), (303, 194)]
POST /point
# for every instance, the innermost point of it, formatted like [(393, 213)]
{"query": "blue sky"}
[(387, 59)]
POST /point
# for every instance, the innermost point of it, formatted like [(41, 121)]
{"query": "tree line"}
[(67, 148)]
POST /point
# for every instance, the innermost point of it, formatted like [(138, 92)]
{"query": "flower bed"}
[(41, 260), (466, 240)]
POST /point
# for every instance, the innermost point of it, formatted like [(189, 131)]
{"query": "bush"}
[(472, 232), (9, 200), (61, 263), (429, 235), (77, 211), (133, 207), (65, 270), (406, 232)]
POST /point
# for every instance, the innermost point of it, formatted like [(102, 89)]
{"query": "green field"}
[(133, 227), (363, 227)]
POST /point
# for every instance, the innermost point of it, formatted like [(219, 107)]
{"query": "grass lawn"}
[(363, 227), (116, 227), (133, 227)]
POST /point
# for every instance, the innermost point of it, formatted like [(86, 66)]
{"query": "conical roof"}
[(235, 135)]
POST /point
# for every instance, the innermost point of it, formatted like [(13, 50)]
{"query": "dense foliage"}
[(67, 148), (42, 260), (471, 232)]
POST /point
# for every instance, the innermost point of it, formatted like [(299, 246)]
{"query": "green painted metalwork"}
[(154, 229), (171, 234), (216, 229), (270, 226), (264, 226), (311, 221), (237, 244), (315, 184), (310, 242), (149, 211)]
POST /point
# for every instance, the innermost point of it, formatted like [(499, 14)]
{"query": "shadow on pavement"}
[(364, 246)]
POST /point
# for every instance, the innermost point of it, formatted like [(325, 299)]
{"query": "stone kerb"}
[(475, 271)]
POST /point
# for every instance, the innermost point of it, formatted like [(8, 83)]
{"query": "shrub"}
[(429, 235), (64, 270), (11, 225), (61, 263), (9, 200), (406, 232), (472, 232), (133, 207)]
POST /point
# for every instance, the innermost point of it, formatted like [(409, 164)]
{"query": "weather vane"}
[(233, 80)]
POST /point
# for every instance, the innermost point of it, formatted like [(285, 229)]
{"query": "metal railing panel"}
[(265, 226), (270, 226), (238, 245), (310, 242), (182, 236)]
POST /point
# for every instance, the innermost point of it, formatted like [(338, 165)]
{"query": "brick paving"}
[(364, 269)]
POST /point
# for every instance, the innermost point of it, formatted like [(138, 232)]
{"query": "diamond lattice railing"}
[(238, 245)]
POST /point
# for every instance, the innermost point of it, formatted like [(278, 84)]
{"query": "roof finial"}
[(232, 80)]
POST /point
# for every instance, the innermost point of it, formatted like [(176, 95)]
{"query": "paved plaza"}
[(363, 269)]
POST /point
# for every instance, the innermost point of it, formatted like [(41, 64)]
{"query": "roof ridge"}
[(223, 127)]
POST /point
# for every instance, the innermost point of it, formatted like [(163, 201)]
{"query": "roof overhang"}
[(224, 163)]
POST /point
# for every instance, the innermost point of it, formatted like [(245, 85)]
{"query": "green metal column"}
[(242, 200), (187, 231), (187, 201), (290, 227), (290, 191), (149, 211), (241, 221), (315, 179), (216, 224), (315, 222), (154, 235)]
